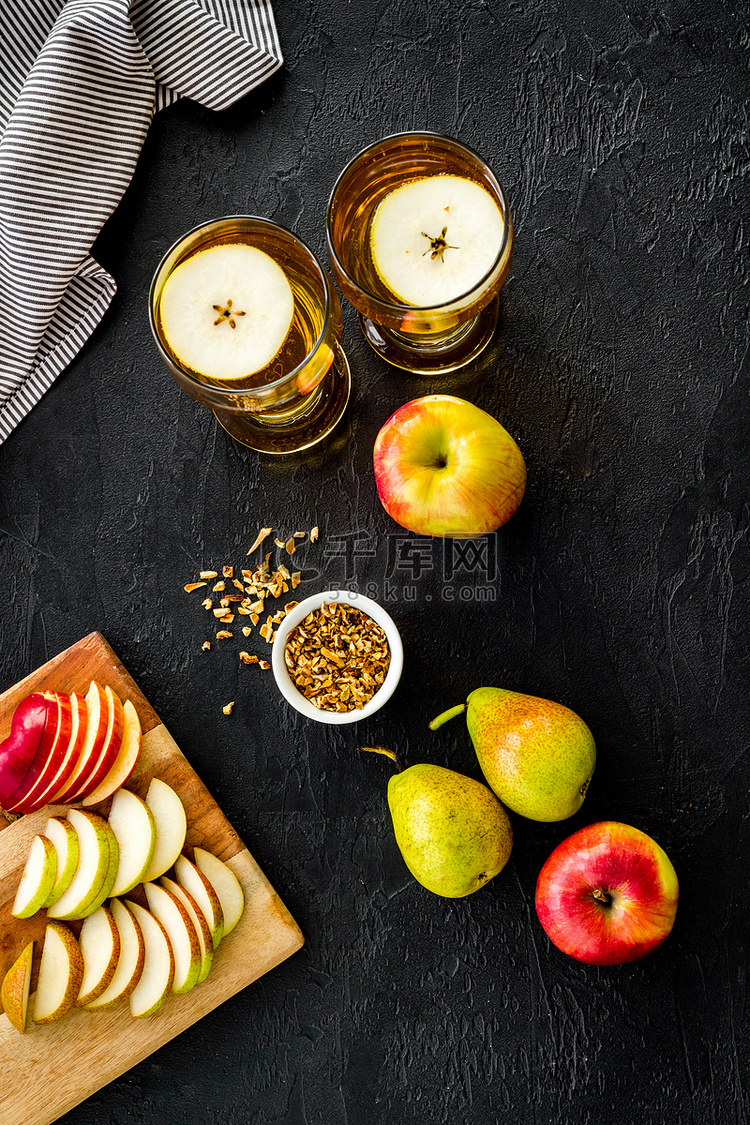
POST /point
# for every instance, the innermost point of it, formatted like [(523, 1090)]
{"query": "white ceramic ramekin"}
[(284, 680)]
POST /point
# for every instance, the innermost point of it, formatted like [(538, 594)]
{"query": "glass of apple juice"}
[(420, 241), (248, 323)]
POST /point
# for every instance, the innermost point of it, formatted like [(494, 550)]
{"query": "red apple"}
[(56, 784), (54, 744), (19, 749), (607, 895), (445, 467)]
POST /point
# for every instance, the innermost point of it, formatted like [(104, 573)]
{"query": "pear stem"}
[(446, 715), (386, 753)]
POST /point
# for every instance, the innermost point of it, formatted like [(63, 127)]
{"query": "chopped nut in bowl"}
[(337, 657)]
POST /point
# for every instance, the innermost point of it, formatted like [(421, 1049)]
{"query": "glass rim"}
[(219, 388), (398, 305)]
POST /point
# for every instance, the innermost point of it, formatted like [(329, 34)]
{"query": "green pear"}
[(453, 833), (537, 756)]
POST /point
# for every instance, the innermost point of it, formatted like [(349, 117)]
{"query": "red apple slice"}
[(19, 749), (124, 763), (110, 748), (58, 783), (97, 709), (15, 803), (58, 748)]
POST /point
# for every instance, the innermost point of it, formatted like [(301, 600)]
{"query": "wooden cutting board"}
[(42, 1075)]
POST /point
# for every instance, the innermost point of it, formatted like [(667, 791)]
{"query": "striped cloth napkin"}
[(79, 83)]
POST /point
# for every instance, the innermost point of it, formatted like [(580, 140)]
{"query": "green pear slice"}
[(158, 964), (201, 888), (37, 879), (14, 992), (198, 919), (134, 827), (226, 311), (226, 884), (99, 941), (435, 238), (129, 963), (171, 828), (182, 934), (94, 838), (65, 840), (60, 974)]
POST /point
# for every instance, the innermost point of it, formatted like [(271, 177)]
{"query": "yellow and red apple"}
[(607, 894), (445, 467)]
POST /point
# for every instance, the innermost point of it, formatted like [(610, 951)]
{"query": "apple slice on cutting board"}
[(99, 941), (225, 883), (60, 973), (115, 718), (124, 763), (197, 885), (134, 827), (182, 935), (97, 711), (435, 238), (58, 780), (158, 964), (226, 311), (129, 963), (51, 750), (198, 919), (65, 841), (171, 827), (14, 992), (19, 750), (37, 879), (96, 841)]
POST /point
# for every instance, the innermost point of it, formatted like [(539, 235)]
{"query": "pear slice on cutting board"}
[(435, 238), (226, 311)]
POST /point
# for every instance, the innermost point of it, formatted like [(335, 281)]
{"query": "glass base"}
[(432, 355), (311, 425)]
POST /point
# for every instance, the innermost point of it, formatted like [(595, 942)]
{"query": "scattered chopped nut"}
[(264, 665), (337, 657), (193, 586), (262, 534), (246, 630), (300, 534), (218, 587), (296, 579), (228, 708), (291, 546), (224, 634), (209, 574), (314, 535), (237, 584), (206, 646), (290, 606), (246, 658), (207, 603), (228, 571), (220, 612), (280, 544)]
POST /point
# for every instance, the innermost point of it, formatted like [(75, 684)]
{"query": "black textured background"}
[(620, 132)]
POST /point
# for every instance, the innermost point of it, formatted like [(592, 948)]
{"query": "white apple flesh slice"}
[(37, 879), (14, 992), (95, 838), (225, 883), (158, 965), (182, 935), (124, 763), (435, 238), (60, 973), (171, 827), (65, 840), (200, 887), (129, 963), (198, 919), (99, 942), (97, 711), (110, 747), (134, 827), (217, 339)]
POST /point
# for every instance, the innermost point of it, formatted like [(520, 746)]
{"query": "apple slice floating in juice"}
[(226, 311), (435, 238)]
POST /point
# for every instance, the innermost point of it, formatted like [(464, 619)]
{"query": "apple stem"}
[(602, 896), (386, 753), (446, 715)]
